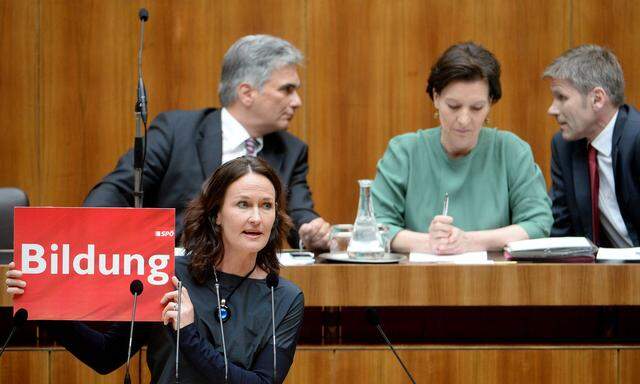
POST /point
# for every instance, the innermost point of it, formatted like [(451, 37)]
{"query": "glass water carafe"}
[(366, 242)]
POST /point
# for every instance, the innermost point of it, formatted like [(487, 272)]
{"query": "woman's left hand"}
[(170, 311)]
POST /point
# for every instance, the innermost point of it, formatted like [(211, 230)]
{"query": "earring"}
[(436, 114), (487, 121)]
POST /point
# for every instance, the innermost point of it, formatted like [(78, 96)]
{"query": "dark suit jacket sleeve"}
[(105, 351), (116, 189), (300, 205), (562, 224)]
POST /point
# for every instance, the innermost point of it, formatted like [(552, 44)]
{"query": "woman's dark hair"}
[(467, 62), (202, 237)]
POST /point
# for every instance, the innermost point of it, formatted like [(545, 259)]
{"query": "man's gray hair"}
[(587, 67), (251, 60)]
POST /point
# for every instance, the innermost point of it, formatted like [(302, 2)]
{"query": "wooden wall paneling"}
[(526, 37), (478, 366), (311, 365), (614, 25), (183, 54), (354, 96), (67, 369), (629, 367), (24, 366), (19, 44), (368, 71), (88, 84)]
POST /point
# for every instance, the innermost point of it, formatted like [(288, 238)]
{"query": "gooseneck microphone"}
[(179, 309), (272, 282), (374, 319), (141, 109), (224, 345), (141, 103), (19, 318), (136, 288)]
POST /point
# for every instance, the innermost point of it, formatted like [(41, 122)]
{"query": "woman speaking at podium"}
[(232, 232)]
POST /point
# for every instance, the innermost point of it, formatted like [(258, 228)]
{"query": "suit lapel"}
[(618, 174), (581, 184), (209, 143), (272, 152), (618, 128)]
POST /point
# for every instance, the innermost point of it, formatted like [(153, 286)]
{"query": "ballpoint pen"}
[(445, 208)]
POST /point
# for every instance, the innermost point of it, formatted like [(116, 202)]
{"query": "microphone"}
[(224, 345), (179, 309), (374, 319), (19, 318), (136, 288), (141, 104), (141, 116), (272, 282)]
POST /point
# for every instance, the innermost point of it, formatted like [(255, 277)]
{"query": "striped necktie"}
[(251, 145)]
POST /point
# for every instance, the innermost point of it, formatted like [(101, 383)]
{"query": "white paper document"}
[(463, 258), (619, 254)]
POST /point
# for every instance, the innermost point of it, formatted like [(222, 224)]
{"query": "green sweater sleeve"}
[(528, 200), (390, 185)]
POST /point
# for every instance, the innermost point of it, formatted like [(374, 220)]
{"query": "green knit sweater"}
[(497, 184)]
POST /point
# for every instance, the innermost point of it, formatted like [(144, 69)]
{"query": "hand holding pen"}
[(445, 238)]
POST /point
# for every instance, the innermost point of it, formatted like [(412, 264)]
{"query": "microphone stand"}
[(19, 318), (374, 319), (178, 332), (139, 146), (272, 282), (136, 288)]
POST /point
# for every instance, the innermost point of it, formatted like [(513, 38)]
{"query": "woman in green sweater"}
[(496, 192)]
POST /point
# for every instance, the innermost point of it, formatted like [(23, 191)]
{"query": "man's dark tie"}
[(251, 145), (594, 181)]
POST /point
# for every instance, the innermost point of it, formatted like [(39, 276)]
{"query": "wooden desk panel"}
[(24, 366), (5, 299), (66, 369), (629, 367), (467, 285), (460, 285), (456, 365)]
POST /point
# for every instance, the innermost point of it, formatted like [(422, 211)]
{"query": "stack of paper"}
[(552, 249), (619, 254)]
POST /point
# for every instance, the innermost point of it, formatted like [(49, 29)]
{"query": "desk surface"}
[(460, 285)]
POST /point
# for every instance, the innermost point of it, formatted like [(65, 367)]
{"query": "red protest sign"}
[(79, 262)]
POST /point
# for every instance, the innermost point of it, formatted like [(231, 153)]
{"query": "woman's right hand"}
[(15, 284), (440, 231)]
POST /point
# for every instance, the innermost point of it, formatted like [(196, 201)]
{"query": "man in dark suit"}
[(595, 163), (258, 92)]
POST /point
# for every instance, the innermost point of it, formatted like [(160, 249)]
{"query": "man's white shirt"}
[(233, 137)]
